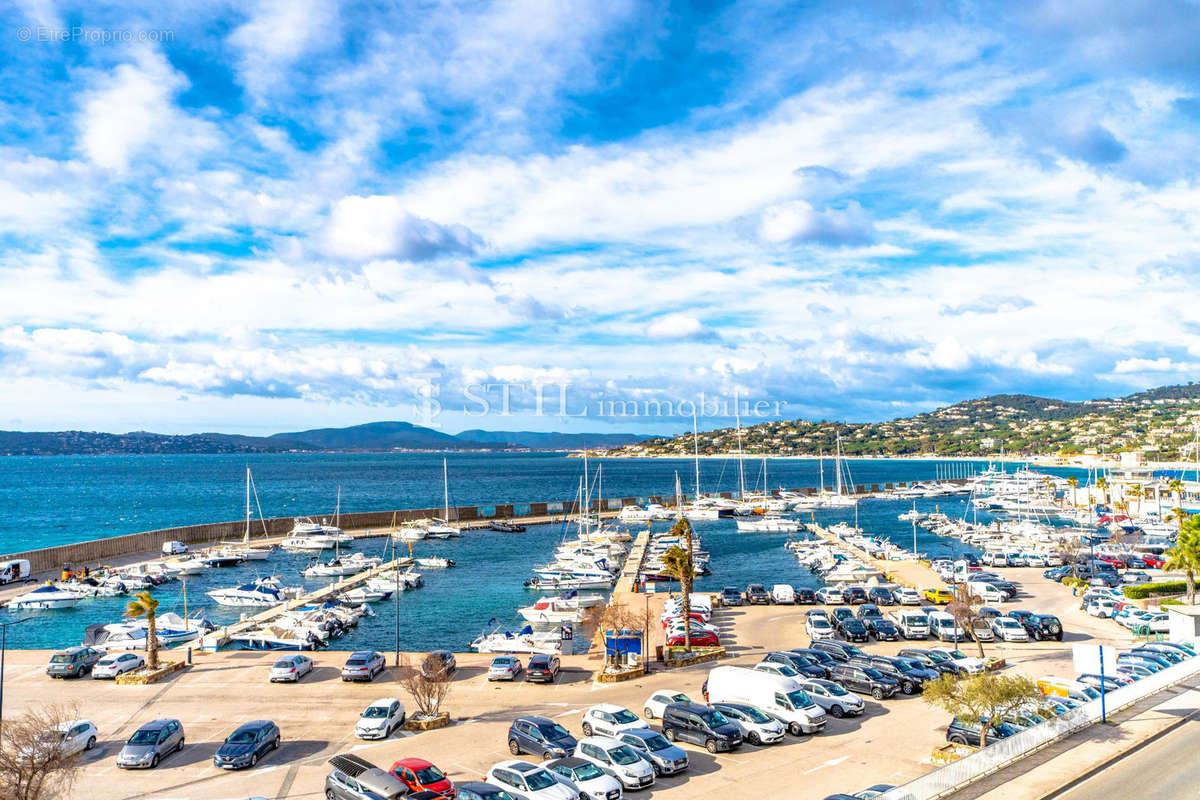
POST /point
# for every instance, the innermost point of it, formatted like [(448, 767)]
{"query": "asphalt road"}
[(1164, 769)]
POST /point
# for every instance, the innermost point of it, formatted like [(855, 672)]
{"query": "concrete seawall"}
[(101, 551)]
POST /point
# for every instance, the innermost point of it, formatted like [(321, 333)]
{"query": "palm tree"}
[(1102, 485), (1175, 487), (1135, 489), (678, 563), (1185, 555), (1073, 482), (144, 605)]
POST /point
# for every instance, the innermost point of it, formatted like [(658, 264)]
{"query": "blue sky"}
[(266, 216)]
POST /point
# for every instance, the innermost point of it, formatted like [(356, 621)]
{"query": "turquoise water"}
[(64, 499)]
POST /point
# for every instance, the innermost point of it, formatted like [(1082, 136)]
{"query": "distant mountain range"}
[(371, 437), (1160, 422)]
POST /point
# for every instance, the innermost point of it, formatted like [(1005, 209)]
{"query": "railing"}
[(958, 774)]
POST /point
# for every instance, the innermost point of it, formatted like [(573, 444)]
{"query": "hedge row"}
[(1143, 590)]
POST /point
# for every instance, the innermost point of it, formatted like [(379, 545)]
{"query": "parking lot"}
[(890, 742)]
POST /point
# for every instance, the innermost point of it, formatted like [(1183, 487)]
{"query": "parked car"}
[(291, 667), (798, 662), (786, 670), (363, 665), (701, 725), (590, 781), (531, 781), (858, 678), (756, 726), (352, 778), (74, 662), (939, 596), (504, 668), (822, 661), (840, 613), (829, 595), (839, 651), (942, 663), (805, 595), (819, 657), (664, 757), (907, 596), (699, 639), (959, 732), (617, 759), (657, 703), (174, 548), (247, 744), (439, 661), (150, 744), (1101, 607), (856, 595), (420, 775), (543, 669), (540, 736), (783, 594), (967, 665), (869, 611), (852, 630), (833, 698), (757, 594), (608, 719), (379, 719), (1042, 626), (981, 630), (908, 683), (114, 664), (1008, 629), (730, 596), (71, 737), (881, 595)]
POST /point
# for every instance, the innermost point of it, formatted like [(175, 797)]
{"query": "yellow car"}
[(940, 596)]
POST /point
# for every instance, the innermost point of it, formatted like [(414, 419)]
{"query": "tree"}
[(1073, 482), (618, 617), (1135, 490), (678, 563), (1185, 555), (965, 610), (1175, 487), (983, 699), (428, 684), (144, 605), (1102, 485), (34, 766)]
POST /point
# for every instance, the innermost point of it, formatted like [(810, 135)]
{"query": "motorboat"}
[(365, 594), (768, 524), (274, 637), (44, 598), (566, 584), (341, 565), (218, 559), (413, 531), (170, 629), (309, 535), (185, 565), (434, 562), (505, 527), (523, 641), (263, 592), (551, 610), (651, 512)]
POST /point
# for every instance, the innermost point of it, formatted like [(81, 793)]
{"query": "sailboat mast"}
[(737, 418), (337, 510), (445, 491), (246, 535), (837, 464), (696, 453)]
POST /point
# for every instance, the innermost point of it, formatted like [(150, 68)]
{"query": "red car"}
[(1155, 561), (1112, 561), (699, 639), (420, 775)]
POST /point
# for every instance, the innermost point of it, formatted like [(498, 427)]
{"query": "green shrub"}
[(1074, 583), (1143, 590), (1171, 601)]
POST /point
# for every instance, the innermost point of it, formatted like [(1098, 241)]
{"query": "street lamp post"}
[(4, 626)]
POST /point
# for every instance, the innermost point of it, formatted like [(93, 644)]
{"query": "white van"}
[(943, 627), (174, 548), (986, 592), (781, 697), (783, 594), (912, 624), (14, 570)]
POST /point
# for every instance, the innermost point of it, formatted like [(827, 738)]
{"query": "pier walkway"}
[(906, 572), (221, 636)]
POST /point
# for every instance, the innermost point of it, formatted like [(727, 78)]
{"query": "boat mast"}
[(696, 453), (337, 510), (445, 491), (837, 464), (741, 460), (246, 535)]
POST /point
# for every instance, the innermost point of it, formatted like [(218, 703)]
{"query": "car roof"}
[(641, 733), (253, 725), (363, 654), (383, 701), (602, 741), (519, 766), (610, 707), (535, 720), (156, 724), (413, 763), (480, 788), (693, 707), (568, 761)]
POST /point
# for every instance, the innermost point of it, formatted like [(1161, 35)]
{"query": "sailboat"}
[(243, 549), (442, 528), (699, 508)]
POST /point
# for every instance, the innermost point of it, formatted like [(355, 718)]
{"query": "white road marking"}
[(833, 762), (568, 713)]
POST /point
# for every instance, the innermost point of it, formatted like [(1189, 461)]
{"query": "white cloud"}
[(675, 326), (362, 228), (797, 221)]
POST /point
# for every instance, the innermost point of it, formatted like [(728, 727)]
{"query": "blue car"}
[(246, 745), (653, 747), (540, 736)]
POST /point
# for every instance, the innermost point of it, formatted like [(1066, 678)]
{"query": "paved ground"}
[(1164, 769), (889, 744)]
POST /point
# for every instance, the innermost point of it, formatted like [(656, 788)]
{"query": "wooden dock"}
[(221, 636)]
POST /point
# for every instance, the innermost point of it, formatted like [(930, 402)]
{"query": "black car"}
[(864, 679), (74, 662), (884, 630), (542, 669), (478, 790), (852, 630), (757, 595), (730, 596), (869, 610), (841, 612), (805, 596), (1043, 626), (540, 736), (959, 732), (819, 657), (856, 595), (246, 745), (702, 725), (839, 651), (798, 662), (943, 665), (911, 681), (439, 662), (881, 595)]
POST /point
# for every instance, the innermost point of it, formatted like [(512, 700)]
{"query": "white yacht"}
[(309, 535), (524, 641), (341, 565), (185, 565), (170, 628), (44, 598), (263, 592), (650, 512), (434, 562), (768, 524)]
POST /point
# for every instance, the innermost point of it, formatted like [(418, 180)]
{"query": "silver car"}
[(150, 744), (354, 778)]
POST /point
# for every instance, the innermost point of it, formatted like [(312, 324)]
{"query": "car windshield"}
[(957, 654), (833, 688), (503, 661), (539, 779), (908, 663), (241, 737), (819, 622), (375, 712), (554, 731), (623, 755), (624, 716), (283, 663), (714, 718), (145, 736), (784, 669), (655, 743), (799, 698), (430, 774), (872, 672), (60, 659), (754, 715), (588, 772)]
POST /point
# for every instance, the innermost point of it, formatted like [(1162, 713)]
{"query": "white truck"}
[(912, 623), (15, 570), (781, 697)]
